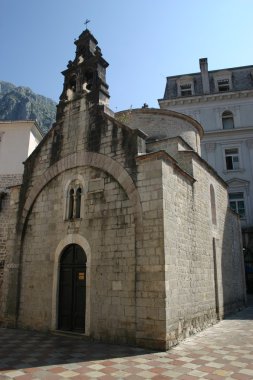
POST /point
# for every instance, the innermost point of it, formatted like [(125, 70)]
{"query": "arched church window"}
[(213, 205), (74, 193), (78, 202), (227, 120)]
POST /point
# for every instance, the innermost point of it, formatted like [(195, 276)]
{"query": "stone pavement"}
[(224, 351)]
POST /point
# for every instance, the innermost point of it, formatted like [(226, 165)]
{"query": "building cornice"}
[(33, 124), (206, 98), (228, 132)]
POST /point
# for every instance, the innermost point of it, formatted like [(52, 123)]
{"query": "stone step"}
[(70, 334)]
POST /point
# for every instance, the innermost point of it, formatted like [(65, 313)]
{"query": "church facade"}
[(120, 230)]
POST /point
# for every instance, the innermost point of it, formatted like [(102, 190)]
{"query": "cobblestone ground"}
[(224, 351)]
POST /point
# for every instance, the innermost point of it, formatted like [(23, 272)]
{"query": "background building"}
[(222, 101), (17, 141)]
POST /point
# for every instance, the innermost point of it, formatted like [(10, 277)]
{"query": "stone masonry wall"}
[(5, 182), (150, 288), (185, 269), (195, 287), (232, 290), (68, 138), (160, 124), (108, 226), (71, 134), (224, 240)]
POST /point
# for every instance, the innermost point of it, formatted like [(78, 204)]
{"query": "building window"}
[(186, 89), (237, 204), (223, 85), (227, 120), (232, 158), (74, 202)]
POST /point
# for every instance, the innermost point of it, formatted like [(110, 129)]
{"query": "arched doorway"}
[(72, 289)]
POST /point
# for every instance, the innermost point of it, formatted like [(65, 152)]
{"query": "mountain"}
[(21, 103)]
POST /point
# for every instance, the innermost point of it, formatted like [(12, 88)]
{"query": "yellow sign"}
[(81, 276)]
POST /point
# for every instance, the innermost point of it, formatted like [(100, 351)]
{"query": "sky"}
[(144, 41)]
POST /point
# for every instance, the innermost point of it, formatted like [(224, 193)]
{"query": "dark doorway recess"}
[(72, 289)]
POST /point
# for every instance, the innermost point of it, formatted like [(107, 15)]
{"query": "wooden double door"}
[(72, 289)]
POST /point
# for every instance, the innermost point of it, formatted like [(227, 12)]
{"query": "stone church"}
[(120, 230)]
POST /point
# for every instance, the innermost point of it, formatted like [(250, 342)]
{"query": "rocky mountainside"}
[(21, 103)]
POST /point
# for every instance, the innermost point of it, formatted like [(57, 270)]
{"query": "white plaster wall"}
[(33, 142), (213, 147), (208, 113), (17, 142), (246, 112)]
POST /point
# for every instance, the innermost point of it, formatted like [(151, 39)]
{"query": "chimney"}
[(204, 75)]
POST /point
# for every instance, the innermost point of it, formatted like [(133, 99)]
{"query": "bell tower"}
[(86, 75)]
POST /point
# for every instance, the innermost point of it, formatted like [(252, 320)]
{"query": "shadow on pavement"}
[(29, 349), (26, 349), (244, 314)]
